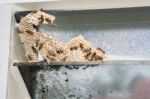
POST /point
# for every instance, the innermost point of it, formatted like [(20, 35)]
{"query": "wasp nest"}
[(50, 48)]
